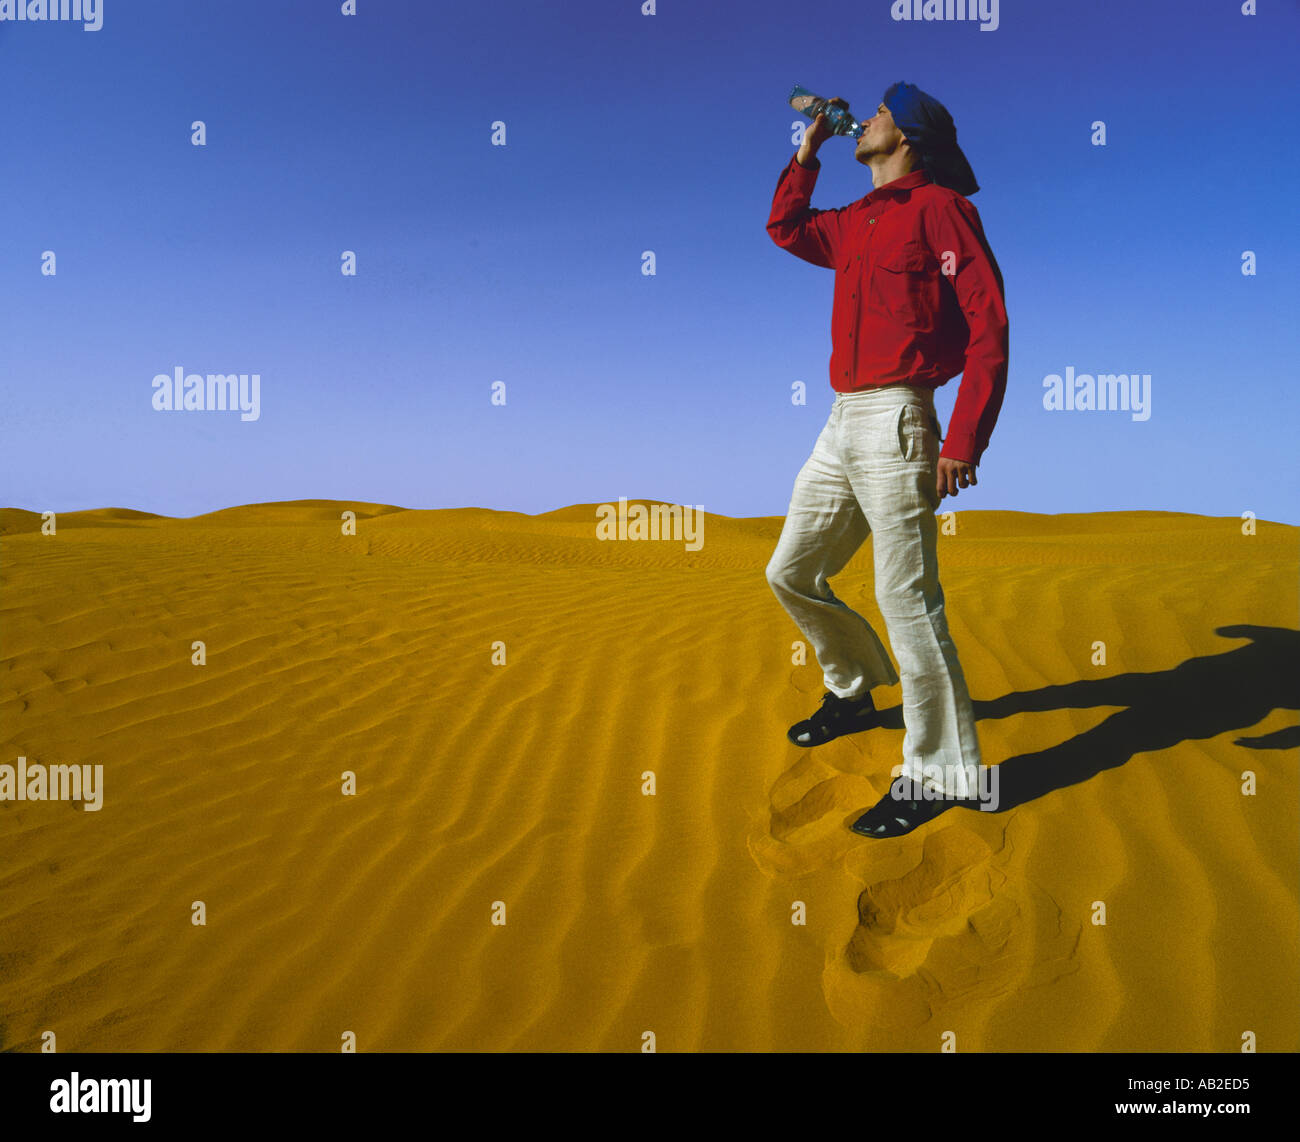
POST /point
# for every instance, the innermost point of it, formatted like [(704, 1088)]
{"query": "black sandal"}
[(904, 808), (835, 718)]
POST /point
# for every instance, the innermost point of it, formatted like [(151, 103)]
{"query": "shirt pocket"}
[(904, 285)]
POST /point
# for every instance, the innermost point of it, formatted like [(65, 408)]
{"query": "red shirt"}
[(897, 316)]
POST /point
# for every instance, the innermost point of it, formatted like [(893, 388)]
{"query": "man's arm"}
[(812, 235), (977, 282)]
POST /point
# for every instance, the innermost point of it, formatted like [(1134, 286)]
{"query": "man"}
[(918, 299)]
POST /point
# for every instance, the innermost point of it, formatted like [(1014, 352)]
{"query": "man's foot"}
[(835, 718), (904, 808)]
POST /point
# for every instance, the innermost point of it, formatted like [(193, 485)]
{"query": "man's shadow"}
[(1200, 698)]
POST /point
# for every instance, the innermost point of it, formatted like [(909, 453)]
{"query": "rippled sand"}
[(519, 787)]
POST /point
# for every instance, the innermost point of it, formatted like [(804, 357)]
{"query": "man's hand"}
[(817, 134), (954, 474)]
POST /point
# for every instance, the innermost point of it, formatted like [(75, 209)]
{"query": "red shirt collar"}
[(909, 181)]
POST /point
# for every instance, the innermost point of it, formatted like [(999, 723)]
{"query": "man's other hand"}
[(954, 474)]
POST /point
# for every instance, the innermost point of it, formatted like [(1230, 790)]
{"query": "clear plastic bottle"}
[(806, 103)]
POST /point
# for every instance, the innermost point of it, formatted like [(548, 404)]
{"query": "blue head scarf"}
[(929, 129)]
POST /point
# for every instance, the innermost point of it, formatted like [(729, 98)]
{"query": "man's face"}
[(879, 137)]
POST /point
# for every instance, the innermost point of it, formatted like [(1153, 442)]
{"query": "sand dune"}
[(522, 783)]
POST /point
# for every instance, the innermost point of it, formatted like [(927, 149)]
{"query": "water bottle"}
[(806, 103)]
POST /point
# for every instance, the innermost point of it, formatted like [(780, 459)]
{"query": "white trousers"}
[(873, 472)]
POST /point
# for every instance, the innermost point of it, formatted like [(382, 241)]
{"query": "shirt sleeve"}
[(812, 235), (977, 282)]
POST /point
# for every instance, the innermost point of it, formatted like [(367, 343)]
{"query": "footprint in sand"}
[(964, 926), (955, 884), (946, 915)]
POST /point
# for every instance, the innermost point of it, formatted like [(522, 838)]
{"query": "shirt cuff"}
[(960, 446)]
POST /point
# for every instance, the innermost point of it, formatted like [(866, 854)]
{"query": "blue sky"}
[(522, 263)]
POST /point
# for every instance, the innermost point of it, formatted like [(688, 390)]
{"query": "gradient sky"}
[(522, 263)]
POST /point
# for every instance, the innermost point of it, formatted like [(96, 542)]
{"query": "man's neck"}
[(888, 168)]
